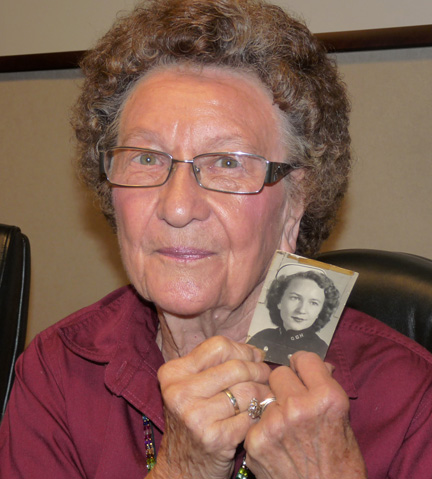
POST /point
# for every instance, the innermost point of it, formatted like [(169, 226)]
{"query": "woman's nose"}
[(301, 308), (181, 199)]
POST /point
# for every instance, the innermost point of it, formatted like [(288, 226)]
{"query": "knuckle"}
[(170, 396), (327, 402), (209, 438), (219, 343), (177, 397), (192, 419), (335, 400), (171, 371), (239, 368), (217, 347), (296, 411), (162, 373), (200, 432), (225, 348), (168, 371)]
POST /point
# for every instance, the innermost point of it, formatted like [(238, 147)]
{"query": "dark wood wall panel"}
[(336, 42)]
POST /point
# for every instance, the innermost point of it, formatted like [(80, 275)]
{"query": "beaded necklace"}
[(243, 473), (149, 443)]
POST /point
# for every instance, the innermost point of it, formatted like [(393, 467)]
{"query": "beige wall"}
[(49, 26), (74, 255), (389, 202)]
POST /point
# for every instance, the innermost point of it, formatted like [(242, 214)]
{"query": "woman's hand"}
[(202, 431), (306, 432)]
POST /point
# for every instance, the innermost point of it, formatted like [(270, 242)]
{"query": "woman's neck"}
[(177, 336)]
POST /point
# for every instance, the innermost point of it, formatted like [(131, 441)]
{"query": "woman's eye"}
[(227, 162), (147, 159)]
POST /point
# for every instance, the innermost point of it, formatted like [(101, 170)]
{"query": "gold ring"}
[(233, 401)]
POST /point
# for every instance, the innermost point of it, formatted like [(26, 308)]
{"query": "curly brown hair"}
[(246, 35)]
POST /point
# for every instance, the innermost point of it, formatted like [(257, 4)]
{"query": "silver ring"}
[(233, 401), (256, 408)]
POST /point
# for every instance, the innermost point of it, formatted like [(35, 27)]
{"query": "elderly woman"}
[(299, 304), (221, 126)]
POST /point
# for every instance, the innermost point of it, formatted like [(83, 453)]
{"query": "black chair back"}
[(395, 288), (14, 299)]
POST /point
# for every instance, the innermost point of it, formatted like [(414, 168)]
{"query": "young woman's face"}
[(301, 304)]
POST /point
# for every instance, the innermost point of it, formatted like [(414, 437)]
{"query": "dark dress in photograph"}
[(279, 343)]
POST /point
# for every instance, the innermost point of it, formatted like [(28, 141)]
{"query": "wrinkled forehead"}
[(212, 74)]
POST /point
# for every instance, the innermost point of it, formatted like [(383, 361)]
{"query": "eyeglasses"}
[(227, 172)]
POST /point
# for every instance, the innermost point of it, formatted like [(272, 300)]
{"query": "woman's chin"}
[(183, 309), (191, 296), (184, 302)]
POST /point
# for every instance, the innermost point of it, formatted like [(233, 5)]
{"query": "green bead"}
[(244, 473), (151, 462)]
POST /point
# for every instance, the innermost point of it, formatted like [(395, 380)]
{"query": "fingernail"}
[(259, 354), (330, 367)]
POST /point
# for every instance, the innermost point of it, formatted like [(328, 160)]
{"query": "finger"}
[(219, 349), (212, 352), (330, 368), (310, 368), (212, 421), (223, 434), (233, 372), (307, 370), (308, 388), (240, 424), (243, 394), (212, 381), (284, 382), (220, 407)]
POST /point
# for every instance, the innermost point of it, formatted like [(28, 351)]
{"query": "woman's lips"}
[(185, 253), (297, 319)]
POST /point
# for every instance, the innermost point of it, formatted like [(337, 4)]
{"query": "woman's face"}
[(188, 249), (301, 304)]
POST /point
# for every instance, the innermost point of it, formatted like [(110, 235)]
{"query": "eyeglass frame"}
[(275, 171)]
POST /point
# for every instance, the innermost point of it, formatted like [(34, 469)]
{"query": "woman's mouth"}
[(185, 253), (296, 319)]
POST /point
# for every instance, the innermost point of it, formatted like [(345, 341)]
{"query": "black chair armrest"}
[(14, 300)]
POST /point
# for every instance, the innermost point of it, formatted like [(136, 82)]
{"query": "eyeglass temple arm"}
[(102, 164), (276, 171)]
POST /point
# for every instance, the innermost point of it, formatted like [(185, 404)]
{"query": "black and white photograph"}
[(299, 307)]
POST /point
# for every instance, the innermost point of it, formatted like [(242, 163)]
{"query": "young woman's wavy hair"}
[(280, 284), (246, 35)]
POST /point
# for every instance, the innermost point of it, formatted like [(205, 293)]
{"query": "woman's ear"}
[(293, 215)]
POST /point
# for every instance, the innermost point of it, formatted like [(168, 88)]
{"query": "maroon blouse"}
[(83, 385)]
